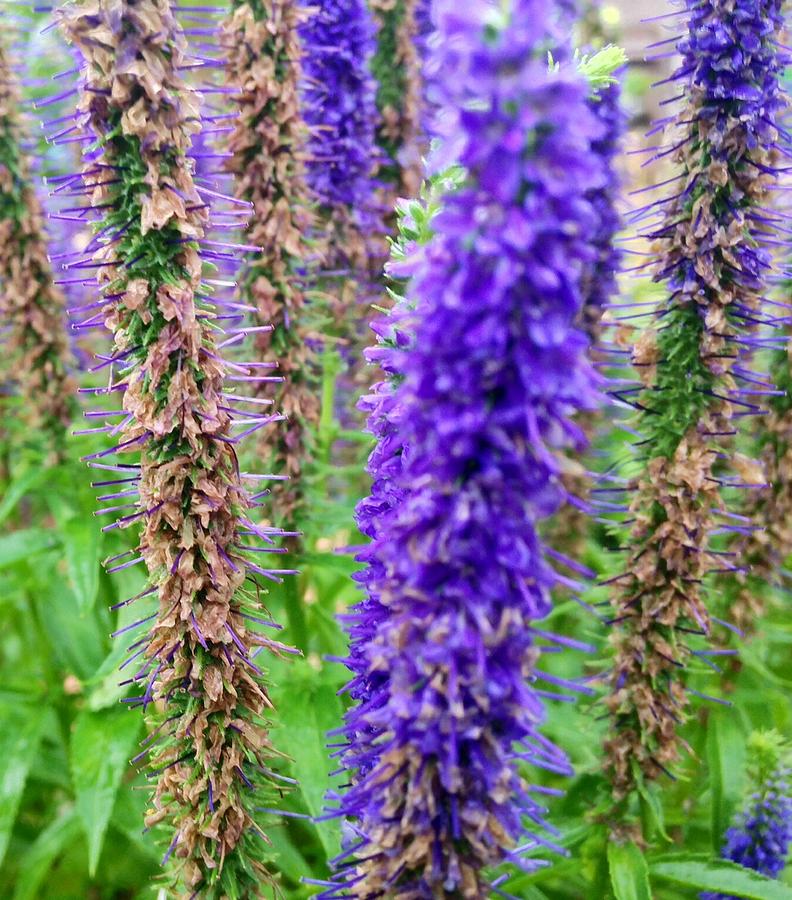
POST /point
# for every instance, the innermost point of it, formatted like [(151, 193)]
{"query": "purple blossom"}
[(458, 578), (339, 103), (600, 283), (761, 834)]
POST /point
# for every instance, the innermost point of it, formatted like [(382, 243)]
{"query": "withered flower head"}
[(193, 657), (32, 307), (695, 364), (268, 144)]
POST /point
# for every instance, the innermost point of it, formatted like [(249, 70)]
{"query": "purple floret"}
[(600, 284), (339, 103), (446, 643)]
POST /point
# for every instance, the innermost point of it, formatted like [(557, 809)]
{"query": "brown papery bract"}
[(199, 672), (268, 145), (36, 353)]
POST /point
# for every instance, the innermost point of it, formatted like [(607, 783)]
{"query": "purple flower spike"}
[(694, 378), (486, 368), (600, 285), (339, 103), (761, 834)]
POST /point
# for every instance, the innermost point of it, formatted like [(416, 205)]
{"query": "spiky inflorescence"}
[(210, 753), (340, 110), (339, 107), (768, 541), (761, 834), (394, 338), (485, 397), (397, 67), (567, 530), (32, 308), (690, 363), (268, 146), (599, 286)]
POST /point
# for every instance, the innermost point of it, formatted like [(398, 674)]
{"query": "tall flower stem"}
[(210, 755), (269, 147), (486, 367), (695, 370), (36, 352)]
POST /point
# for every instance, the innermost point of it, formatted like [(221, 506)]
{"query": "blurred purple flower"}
[(339, 103)]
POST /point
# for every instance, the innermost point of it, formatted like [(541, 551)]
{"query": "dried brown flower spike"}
[(32, 307), (210, 754)]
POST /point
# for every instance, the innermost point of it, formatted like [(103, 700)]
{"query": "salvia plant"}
[(451, 625), (696, 377), (269, 144), (523, 633), (192, 658), (761, 833), (339, 107)]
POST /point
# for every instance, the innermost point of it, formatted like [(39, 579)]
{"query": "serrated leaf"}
[(23, 544), (702, 873), (23, 725), (629, 873), (41, 855), (726, 757), (101, 745)]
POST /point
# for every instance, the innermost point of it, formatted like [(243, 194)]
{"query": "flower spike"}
[(485, 368), (694, 376), (196, 667)]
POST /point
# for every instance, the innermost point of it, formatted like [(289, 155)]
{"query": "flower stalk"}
[(269, 149), (696, 380), (485, 368), (192, 662), (397, 66), (761, 833)]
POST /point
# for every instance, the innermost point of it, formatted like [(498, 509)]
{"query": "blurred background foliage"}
[(71, 804)]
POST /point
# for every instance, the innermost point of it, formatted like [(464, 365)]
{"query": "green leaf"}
[(655, 809), (74, 510), (82, 545), (629, 874), (41, 855), (78, 642), (726, 757), (25, 543), (307, 710), (700, 872), (18, 488), (101, 745), (23, 725)]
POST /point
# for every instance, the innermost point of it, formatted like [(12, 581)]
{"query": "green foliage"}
[(701, 873), (23, 724), (628, 872), (101, 745)]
